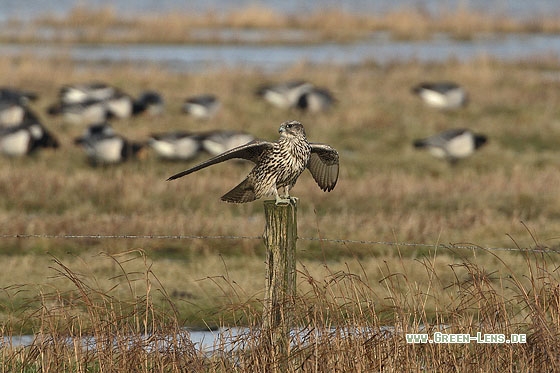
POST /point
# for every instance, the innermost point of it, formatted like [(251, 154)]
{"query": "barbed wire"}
[(127, 236), (466, 246)]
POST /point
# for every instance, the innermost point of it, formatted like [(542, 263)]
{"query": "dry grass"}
[(387, 192), (105, 25), (348, 320)]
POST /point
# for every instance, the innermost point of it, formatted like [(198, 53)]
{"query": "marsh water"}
[(513, 8), (222, 340), (203, 340), (379, 47)]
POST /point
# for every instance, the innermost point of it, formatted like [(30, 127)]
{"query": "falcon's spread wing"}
[(251, 152), (323, 165)]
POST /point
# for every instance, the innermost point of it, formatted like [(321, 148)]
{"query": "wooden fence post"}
[(280, 237)]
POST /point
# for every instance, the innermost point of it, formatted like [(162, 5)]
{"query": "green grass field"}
[(504, 196)]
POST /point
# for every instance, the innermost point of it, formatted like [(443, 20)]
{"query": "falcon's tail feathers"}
[(242, 193)]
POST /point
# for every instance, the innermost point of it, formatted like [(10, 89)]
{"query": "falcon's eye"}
[(289, 125)]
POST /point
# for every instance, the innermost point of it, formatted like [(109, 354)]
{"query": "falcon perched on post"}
[(278, 165)]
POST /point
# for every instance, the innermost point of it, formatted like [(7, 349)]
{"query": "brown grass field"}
[(114, 290)]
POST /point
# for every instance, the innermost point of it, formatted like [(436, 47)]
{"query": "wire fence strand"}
[(467, 246)]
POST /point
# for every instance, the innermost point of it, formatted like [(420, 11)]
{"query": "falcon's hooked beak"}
[(286, 127)]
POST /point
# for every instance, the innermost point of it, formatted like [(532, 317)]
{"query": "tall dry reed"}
[(340, 322)]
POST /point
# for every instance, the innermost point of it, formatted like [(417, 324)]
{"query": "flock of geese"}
[(455, 143), (95, 104)]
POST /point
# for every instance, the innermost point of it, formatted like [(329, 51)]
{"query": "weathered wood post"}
[(280, 237)]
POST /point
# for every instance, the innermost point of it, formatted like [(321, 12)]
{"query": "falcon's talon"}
[(283, 201)]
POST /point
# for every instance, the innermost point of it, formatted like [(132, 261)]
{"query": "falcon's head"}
[(291, 128)]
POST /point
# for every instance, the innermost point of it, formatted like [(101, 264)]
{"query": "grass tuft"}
[(342, 321)]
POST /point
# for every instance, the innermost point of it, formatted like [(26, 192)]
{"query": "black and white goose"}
[(26, 137), (442, 95), (176, 145), (202, 106), (20, 95), (122, 105), (315, 100), (104, 146), (453, 144), (84, 92), (284, 95), (98, 102), (11, 113), (219, 141), (13, 105), (77, 113), (149, 102)]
